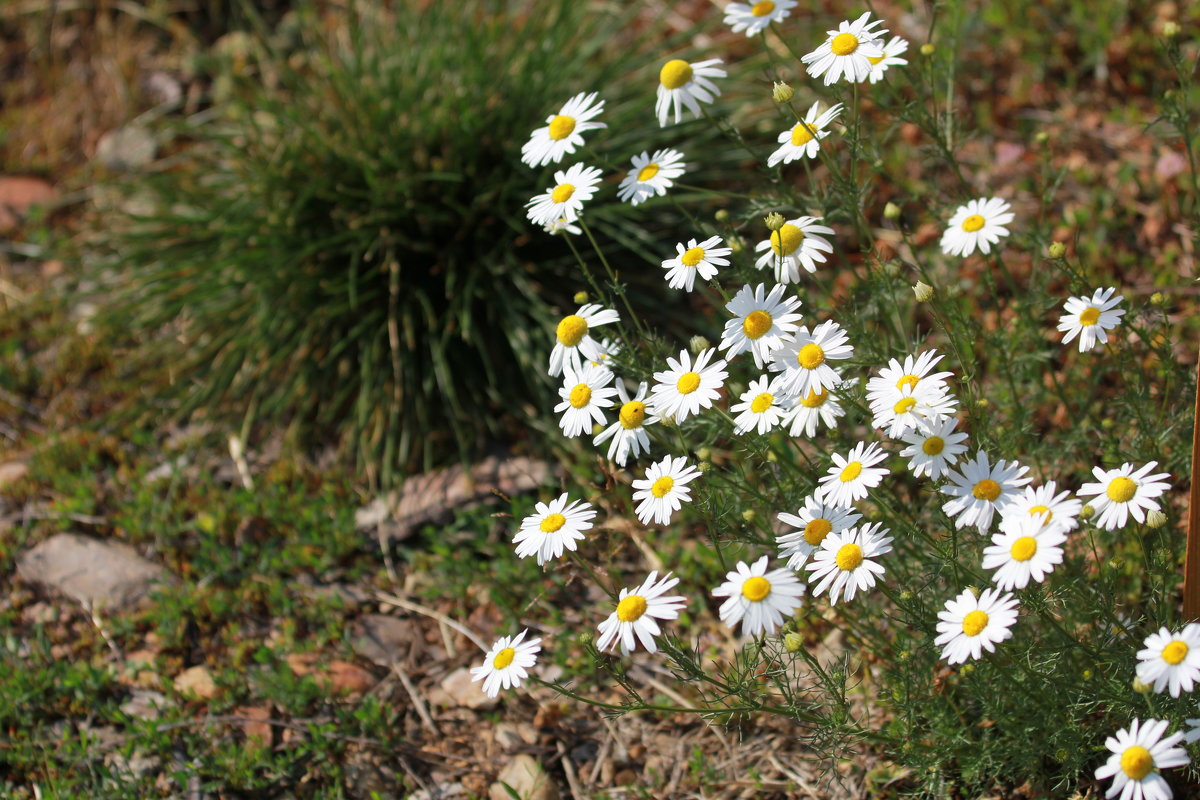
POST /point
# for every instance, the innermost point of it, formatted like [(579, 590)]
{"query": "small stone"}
[(509, 736), (385, 640), (12, 471), (92, 571), (18, 194), (350, 679), (441, 791), (126, 149), (144, 704), (196, 682), (527, 778), (457, 689)]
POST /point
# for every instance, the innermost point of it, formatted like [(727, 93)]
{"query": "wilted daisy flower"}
[(1090, 319), (635, 614), (759, 322), (565, 199), (849, 478), (844, 564), (701, 258), (629, 431), (1171, 660), (664, 489), (1058, 510), (797, 244), (816, 520), (760, 407), (1137, 757), (848, 51), (890, 58), (561, 225), (683, 84), (506, 664), (553, 527), (1024, 550), (981, 490), (755, 18), (1123, 492), (803, 140), (561, 134), (604, 353), (802, 358), (651, 175), (884, 389), (932, 447), (760, 599), (685, 388), (913, 408), (980, 223), (808, 410), (969, 624), (583, 394), (573, 339)]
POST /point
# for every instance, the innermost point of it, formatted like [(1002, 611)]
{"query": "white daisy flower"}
[(884, 389), (701, 259), (759, 321), (664, 489), (981, 490), (980, 223), (913, 408), (604, 353), (845, 564), (628, 433), (562, 132), (1025, 550), (561, 225), (753, 19), (806, 412), (803, 140), (1123, 492), (1171, 660), (849, 478), (506, 664), (969, 624), (848, 51), (584, 394), (890, 58), (760, 408), (1137, 758), (761, 600), (797, 244), (682, 84), (572, 333), (1059, 510), (636, 612), (565, 199), (802, 358), (1091, 319), (815, 520), (553, 527), (686, 388), (932, 447), (651, 176)]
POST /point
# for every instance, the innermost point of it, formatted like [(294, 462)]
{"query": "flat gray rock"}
[(94, 572)]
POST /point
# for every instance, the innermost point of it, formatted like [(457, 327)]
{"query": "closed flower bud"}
[(704, 453), (704, 466), (698, 344), (1140, 687), (585, 638), (923, 292), (1087, 512), (1057, 250), (748, 515), (975, 590), (1157, 299), (967, 669), (781, 92), (891, 269), (774, 221), (1155, 519), (982, 402), (891, 211), (793, 642), (735, 244), (907, 596), (927, 49), (580, 298), (1170, 29), (1041, 137), (722, 215)]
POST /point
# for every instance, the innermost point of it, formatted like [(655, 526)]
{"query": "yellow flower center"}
[(632, 414), (849, 556), (647, 172), (562, 193), (1175, 652), (802, 134), (1033, 512), (692, 257), (1024, 548), (816, 531), (756, 324), (688, 382), (561, 127), (675, 73), (810, 356), (986, 489), (814, 399), (762, 403), (553, 522), (851, 471), (785, 240), (904, 405), (933, 445), (631, 608), (581, 395), (1089, 316), (504, 658), (972, 223), (662, 486), (762, 8), (571, 330), (1136, 762), (844, 44), (910, 381), (756, 588), (875, 59), (974, 623), (1121, 490)]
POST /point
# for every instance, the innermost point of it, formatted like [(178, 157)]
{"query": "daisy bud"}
[(585, 638), (967, 669), (771, 457), (704, 466), (1041, 137), (1155, 519), (1157, 299), (975, 590), (1057, 250), (722, 215), (903, 656), (704, 453), (1107, 424), (891, 211), (698, 344), (1140, 687), (1170, 29), (781, 92), (793, 642), (1086, 674), (735, 244), (1116, 562), (923, 291), (748, 515), (891, 269), (906, 596), (580, 298), (927, 49), (774, 221), (1087, 512), (982, 402)]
